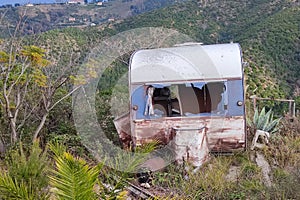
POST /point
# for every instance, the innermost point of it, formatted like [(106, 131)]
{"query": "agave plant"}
[(264, 121)]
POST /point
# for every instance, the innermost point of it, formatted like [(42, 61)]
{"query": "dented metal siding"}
[(123, 128), (223, 134), (190, 144)]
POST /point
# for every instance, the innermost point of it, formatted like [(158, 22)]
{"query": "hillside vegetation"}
[(40, 71), (43, 17), (268, 32)]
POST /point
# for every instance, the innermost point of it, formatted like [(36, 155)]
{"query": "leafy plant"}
[(113, 181), (264, 121), (25, 177), (73, 178), (208, 182), (10, 188)]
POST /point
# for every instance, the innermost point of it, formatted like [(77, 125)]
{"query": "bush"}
[(25, 177)]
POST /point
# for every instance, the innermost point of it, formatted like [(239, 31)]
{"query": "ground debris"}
[(233, 173)]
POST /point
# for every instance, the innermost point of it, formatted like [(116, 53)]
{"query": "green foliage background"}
[(268, 32), (269, 35)]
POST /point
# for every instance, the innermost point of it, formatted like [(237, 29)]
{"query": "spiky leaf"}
[(73, 178)]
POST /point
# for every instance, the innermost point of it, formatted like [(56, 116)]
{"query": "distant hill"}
[(44, 17), (268, 31)]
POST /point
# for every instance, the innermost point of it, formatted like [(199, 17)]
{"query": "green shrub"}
[(285, 185), (25, 177), (209, 182)]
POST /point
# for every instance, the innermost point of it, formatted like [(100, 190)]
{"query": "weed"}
[(286, 185), (210, 181), (284, 151), (171, 177), (250, 171), (237, 195)]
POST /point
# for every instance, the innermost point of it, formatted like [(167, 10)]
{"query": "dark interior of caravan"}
[(189, 99)]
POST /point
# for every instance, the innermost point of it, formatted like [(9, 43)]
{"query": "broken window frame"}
[(228, 99)]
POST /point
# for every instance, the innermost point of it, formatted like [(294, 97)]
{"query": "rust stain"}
[(219, 135)]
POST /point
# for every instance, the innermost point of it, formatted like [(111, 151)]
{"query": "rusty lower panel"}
[(223, 134), (190, 144), (123, 127), (226, 134)]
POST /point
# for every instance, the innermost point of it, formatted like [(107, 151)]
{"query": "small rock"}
[(146, 185), (233, 173), (265, 167)]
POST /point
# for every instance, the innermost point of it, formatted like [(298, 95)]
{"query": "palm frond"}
[(73, 178), (25, 177), (11, 189)]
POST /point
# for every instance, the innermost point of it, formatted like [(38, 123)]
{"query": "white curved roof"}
[(187, 63)]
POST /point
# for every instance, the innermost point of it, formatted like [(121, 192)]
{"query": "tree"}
[(21, 70), (29, 85)]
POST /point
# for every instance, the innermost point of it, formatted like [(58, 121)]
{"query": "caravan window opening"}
[(183, 99)]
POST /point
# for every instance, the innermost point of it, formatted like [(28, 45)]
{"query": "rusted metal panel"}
[(123, 128), (224, 134), (190, 144), (192, 138)]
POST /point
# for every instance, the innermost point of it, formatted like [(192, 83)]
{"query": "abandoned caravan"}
[(190, 96)]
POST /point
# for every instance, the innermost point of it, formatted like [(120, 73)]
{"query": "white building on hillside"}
[(76, 1)]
